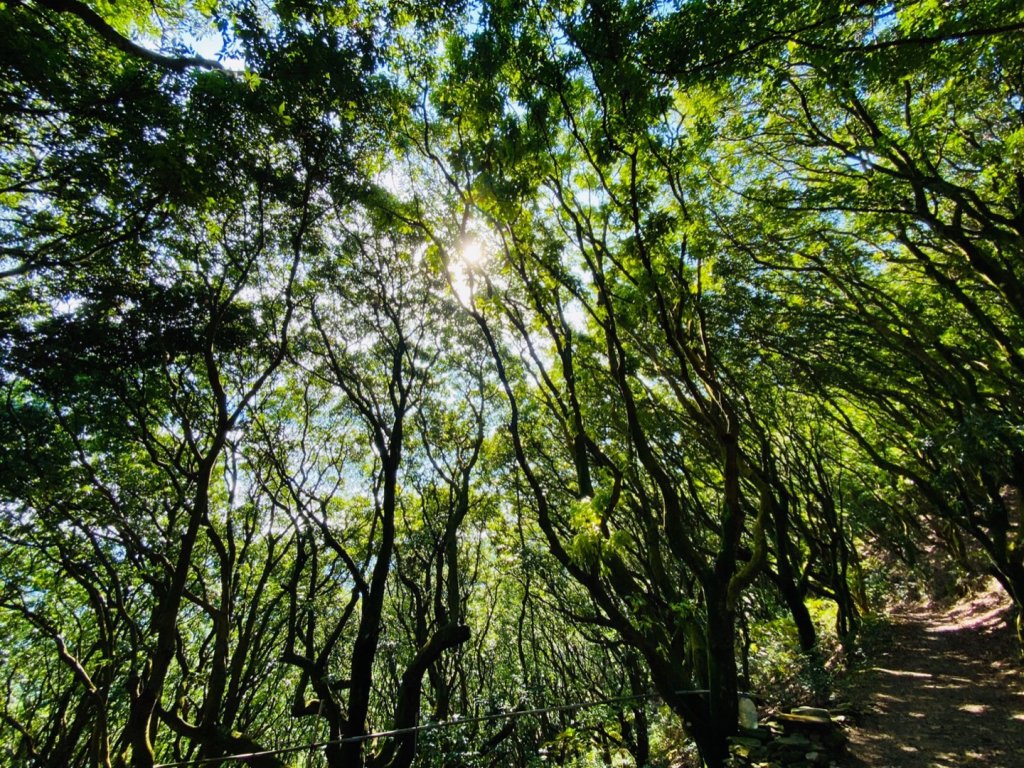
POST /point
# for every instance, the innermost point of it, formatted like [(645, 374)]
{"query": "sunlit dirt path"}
[(945, 692)]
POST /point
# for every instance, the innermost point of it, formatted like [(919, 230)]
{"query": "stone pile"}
[(806, 737)]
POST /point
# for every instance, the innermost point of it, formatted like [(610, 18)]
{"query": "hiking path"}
[(944, 691)]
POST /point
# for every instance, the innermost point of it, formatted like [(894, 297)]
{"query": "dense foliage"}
[(398, 362)]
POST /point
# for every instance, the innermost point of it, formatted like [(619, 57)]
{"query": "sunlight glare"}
[(471, 253), (470, 258)]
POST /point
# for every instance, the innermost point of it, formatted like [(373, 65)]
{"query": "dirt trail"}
[(945, 693)]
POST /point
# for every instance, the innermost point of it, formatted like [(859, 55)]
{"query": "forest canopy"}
[(368, 365)]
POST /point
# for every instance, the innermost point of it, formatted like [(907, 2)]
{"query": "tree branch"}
[(97, 24)]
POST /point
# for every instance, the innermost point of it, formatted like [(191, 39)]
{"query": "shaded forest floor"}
[(943, 689)]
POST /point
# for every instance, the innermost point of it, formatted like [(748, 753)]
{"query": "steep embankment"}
[(945, 692)]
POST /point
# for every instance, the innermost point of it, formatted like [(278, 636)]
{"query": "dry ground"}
[(945, 692)]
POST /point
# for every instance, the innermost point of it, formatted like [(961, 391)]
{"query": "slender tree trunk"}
[(140, 729), (350, 754), (787, 582)]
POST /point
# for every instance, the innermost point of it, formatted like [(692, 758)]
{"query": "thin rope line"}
[(418, 728)]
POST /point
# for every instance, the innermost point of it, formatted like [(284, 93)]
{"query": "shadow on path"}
[(946, 693)]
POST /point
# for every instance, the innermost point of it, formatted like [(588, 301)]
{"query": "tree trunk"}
[(723, 680), (785, 580), (140, 729)]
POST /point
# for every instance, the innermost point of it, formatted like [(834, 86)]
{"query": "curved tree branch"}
[(97, 24)]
